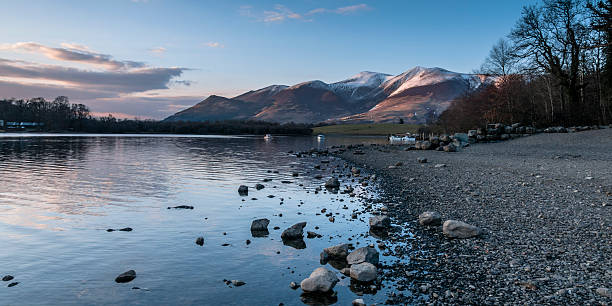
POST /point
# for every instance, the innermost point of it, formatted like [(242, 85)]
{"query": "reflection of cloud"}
[(75, 53), (281, 13)]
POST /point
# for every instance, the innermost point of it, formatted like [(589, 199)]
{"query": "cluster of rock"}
[(493, 132), (450, 228)]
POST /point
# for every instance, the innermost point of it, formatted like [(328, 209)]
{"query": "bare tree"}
[(554, 36), (502, 59)]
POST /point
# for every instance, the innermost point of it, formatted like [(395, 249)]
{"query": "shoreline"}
[(544, 203)]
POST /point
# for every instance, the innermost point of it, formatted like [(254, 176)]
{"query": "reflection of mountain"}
[(365, 97)]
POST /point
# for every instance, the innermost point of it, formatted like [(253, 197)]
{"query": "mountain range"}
[(412, 96)]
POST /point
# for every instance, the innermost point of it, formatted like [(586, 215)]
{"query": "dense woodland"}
[(61, 116), (554, 68)]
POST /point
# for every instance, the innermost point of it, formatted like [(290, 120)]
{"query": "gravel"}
[(544, 203)]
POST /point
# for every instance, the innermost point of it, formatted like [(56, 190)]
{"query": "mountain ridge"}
[(414, 96)]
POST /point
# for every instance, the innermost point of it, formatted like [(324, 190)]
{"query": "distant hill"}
[(363, 98)]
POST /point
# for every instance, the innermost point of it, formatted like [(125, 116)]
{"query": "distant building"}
[(22, 125)]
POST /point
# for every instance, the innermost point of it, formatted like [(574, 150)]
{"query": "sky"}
[(152, 58)]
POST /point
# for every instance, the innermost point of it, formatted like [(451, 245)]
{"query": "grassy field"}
[(367, 129)]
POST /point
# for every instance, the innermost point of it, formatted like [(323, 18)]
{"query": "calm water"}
[(59, 194)]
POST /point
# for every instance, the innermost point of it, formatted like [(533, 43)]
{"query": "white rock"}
[(364, 272), (320, 280)]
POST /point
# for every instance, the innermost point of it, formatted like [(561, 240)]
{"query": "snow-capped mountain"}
[(364, 97)]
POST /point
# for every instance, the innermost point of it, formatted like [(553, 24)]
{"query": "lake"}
[(60, 193)]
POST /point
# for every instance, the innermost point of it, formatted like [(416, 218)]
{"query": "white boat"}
[(402, 139), (268, 137)]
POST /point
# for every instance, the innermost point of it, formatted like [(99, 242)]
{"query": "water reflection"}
[(59, 195)]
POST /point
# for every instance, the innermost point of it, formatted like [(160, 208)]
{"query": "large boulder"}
[(296, 231), (260, 225), (364, 272), (458, 229), (320, 280), (379, 222), (364, 254), (463, 137), (430, 217), (425, 145), (332, 183), (338, 251)]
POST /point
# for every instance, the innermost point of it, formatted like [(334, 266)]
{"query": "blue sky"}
[(150, 58)]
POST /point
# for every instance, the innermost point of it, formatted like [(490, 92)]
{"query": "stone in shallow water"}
[(364, 254), (320, 280), (364, 272), (260, 225), (380, 222), (126, 277), (296, 231), (200, 241), (243, 190), (337, 251), (7, 278), (332, 183)]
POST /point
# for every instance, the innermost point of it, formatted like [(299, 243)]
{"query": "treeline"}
[(554, 68), (60, 115)]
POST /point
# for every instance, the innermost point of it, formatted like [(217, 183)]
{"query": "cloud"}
[(137, 80), (158, 50), (75, 53), (118, 87), (282, 13), (352, 9), (214, 44)]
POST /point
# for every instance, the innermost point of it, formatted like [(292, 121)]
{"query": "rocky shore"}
[(542, 206)]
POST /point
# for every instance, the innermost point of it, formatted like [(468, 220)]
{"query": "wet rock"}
[(337, 251), (430, 218), (293, 285), (243, 190), (440, 166), (126, 277), (259, 186), (355, 170), (181, 207), (260, 225), (126, 229), (358, 302), (346, 271), (364, 272), (311, 235), (13, 284), (364, 254), (320, 280), (296, 231), (459, 229), (332, 183), (380, 222), (7, 278), (238, 283), (422, 160), (200, 241)]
